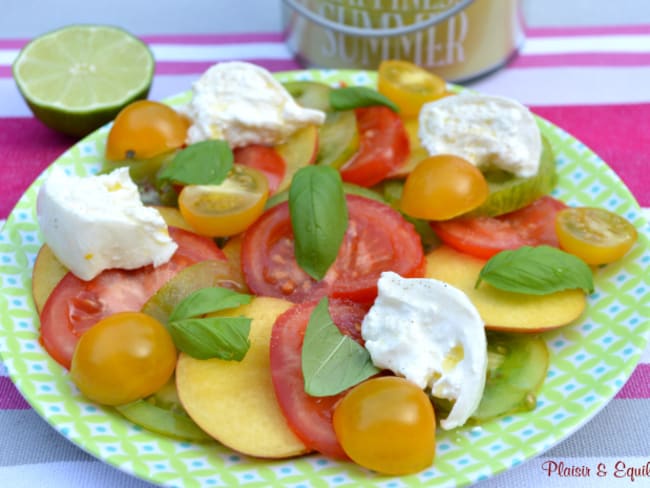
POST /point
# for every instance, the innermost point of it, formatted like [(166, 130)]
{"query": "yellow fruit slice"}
[(234, 401), (503, 310)]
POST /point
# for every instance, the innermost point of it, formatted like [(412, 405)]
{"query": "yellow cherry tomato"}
[(145, 129), (122, 358), (595, 235), (442, 187), (226, 209), (409, 86), (387, 424)]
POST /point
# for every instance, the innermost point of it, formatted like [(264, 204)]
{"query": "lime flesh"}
[(77, 78)]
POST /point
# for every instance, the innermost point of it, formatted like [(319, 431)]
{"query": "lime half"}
[(77, 78)]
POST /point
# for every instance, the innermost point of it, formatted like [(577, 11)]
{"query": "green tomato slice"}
[(517, 367)]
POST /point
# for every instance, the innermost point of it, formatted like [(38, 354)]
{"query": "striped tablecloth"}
[(593, 82)]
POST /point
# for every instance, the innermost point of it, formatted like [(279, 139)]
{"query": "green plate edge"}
[(590, 359)]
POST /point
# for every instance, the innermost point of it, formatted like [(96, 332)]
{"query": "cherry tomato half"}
[(145, 129), (383, 146), (409, 86), (122, 358), (387, 424), (228, 208), (442, 187), (483, 237), (595, 235), (309, 417), (75, 305), (265, 159)]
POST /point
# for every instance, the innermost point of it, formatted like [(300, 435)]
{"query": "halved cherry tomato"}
[(595, 235), (408, 85), (76, 305), (387, 424), (383, 146), (483, 237), (442, 187), (145, 129), (124, 357), (265, 159), (309, 417), (228, 208), (377, 239)]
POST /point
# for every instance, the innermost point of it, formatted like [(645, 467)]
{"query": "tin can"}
[(458, 40)]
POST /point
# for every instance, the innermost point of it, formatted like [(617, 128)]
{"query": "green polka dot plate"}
[(590, 359)]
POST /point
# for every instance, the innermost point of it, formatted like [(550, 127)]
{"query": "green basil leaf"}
[(537, 271), (351, 97), (319, 217), (213, 337), (332, 362), (203, 163), (207, 300)]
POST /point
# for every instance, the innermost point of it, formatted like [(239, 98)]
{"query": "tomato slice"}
[(383, 146), (265, 159), (76, 305), (483, 237), (309, 417), (377, 239)]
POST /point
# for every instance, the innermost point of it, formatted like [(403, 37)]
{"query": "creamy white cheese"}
[(488, 131), (431, 334), (243, 104), (98, 222)]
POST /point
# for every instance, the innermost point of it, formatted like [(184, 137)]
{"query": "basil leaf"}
[(351, 97), (537, 271), (331, 361), (207, 300), (213, 337), (319, 217), (203, 163)]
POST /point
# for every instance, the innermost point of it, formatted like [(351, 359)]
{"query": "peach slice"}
[(235, 402), (47, 273), (504, 310)]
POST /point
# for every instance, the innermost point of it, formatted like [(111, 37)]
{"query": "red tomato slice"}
[(483, 237), (377, 239), (76, 305), (309, 417), (383, 146), (265, 159)]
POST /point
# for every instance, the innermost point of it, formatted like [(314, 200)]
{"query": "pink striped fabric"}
[(10, 398), (638, 386), (194, 67), (582, 59), (581, 31)]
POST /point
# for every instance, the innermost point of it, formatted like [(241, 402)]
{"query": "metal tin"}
[(456, 39)]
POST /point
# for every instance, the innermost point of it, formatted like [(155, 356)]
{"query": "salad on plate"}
[(300, 267)]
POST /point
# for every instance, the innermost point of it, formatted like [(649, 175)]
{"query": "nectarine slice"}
[(234, 402), (504, 310), (47, 273)]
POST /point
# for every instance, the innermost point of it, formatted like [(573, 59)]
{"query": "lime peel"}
[(77, 78)]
